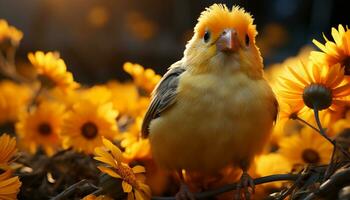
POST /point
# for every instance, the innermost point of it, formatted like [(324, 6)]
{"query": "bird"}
[(213, 108)]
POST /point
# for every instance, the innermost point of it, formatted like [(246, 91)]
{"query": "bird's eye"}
[(206, 36), (247, 40)]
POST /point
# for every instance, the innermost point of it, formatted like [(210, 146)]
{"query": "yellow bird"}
[(213, 108)]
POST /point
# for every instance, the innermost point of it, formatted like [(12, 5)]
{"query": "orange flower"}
[(132, 180), (9, 186), (41, 127), (146, 79), (313, 86), (337, 52), (7, 150)]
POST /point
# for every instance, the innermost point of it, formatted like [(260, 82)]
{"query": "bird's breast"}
[(216, 120)]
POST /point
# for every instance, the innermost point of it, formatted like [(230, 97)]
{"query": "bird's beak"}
[(228, 41)]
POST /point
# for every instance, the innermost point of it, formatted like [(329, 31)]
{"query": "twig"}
[(230, 187), (70, 190), (336, 181), (323, 133), (296, 183)]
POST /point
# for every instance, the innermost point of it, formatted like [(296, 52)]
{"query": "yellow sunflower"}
[(52, 70), (306, 148), (14, 99), (7, 150), (146, 79), (9, 186), (135, 147), (126, 98), (41, 127), (132, 178), (337, 52), (102, 93), (273, 71), (9, 34), (313, 86), (86, 123), (266, 165)]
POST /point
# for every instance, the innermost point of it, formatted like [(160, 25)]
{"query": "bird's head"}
[(224, 41)]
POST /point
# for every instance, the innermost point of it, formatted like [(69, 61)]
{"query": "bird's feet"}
[(184, 193), (245, 187)]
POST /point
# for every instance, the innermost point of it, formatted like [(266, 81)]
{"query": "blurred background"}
[(95, 37)]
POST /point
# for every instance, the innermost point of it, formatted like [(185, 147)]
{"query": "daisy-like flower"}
[(135, 147), (265, 165), (86, 123), (41, 127), (306, 148), (52, 70), (313, 86), (146, 79), (132, 178), (337, 52), (7, 150), (126, 99), (14, 99), (9, 186), (9, 34)]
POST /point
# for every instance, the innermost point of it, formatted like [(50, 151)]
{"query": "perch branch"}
[(230, 187)]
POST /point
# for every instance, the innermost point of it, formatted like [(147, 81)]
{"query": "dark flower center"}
[(317, 96), (311, 156), (89, 130), (44, 129), (346, 63)]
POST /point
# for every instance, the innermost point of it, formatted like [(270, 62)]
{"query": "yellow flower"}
[(41, 127), (132, 180), (135, 147), (126, 98), (7, 150), (14, 99), (146, 79), (273, 71), (272, 163), (52, 70), (337, 52), (98, 94), (86, 123), (306, 148), (100, 197), (9, 186), (266, 164), (313, 86), (9, 33)]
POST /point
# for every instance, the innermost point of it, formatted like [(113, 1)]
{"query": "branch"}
[(230, 187), (336, 182), (73, 188)]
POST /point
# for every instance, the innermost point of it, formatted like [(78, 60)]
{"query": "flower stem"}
[(307, 123), (323, 133), (321, 130)]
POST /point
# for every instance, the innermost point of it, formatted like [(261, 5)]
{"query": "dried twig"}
[(230, 187), (336, 182)]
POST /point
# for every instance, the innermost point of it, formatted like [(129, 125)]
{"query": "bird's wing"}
[(163, 97)]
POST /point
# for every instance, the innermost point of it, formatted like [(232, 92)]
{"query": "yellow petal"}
[(126, 187), (114, 149), (108, 171), (138, 169)]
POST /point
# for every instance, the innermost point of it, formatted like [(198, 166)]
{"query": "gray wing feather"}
[(163, 97)]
